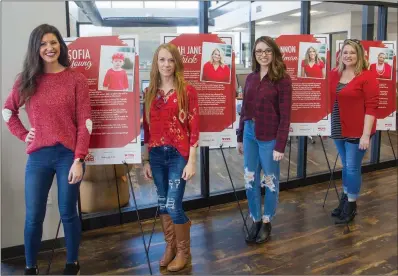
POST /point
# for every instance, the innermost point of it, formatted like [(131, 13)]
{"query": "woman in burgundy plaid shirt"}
[(263, 132)]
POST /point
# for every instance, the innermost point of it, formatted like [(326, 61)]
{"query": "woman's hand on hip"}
[(147, 171), (278, 156), (364, 142), (189, 171), (75, 172), (31, 135), (240, 148)]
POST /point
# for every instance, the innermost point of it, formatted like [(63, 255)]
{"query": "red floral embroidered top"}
[(169, 126)]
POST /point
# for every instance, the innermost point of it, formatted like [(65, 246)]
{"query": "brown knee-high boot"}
[(170, 238), (183, 247)]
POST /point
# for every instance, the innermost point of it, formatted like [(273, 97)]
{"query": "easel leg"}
[(233, 187), (153, 227), (52, 251), (288, 166), (118, 197), (393, 152), (138, 217), (330, 182)]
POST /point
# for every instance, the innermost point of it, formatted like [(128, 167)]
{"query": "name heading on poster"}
[(80, 58), (289, 50)]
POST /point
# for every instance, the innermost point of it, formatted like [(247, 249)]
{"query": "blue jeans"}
[(259, 155), (167, 166), (41, 167), (351, 158)]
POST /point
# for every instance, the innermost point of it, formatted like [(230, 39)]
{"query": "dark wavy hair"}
[(33, 65), (277, 68)]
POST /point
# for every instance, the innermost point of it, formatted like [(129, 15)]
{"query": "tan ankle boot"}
[(170, 238), (183, 247)]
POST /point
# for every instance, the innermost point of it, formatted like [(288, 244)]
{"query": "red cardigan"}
[(358, 98)]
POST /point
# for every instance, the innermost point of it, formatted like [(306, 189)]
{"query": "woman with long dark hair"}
[(171, 125), (58, 106), (264, 129)]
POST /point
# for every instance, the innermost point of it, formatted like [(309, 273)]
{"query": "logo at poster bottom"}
[(89, 157)]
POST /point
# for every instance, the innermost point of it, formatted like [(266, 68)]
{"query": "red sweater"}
[(221, 74), (59, 111), (358, 98), (165, 128), (116, 80)]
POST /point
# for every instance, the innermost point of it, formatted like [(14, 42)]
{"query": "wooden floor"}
[(145, 191), (304, 239)]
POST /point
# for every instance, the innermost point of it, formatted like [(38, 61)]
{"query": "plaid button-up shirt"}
[(269, 105)]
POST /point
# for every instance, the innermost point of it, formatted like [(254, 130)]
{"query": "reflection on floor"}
[(304, 239), (219, 180)]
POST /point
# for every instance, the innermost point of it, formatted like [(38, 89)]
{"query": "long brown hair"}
[(277, 68), (33, 66), (362, 63), (179, 82)]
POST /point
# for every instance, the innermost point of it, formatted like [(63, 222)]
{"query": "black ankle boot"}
[(348, 213), (251, 238), (72, 269), (336, 212), (264, 233), (32, 270)]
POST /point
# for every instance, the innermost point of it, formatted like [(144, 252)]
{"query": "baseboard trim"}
[(19, 250)]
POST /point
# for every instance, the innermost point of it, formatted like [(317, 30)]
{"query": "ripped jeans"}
[(167, 166), (259, 155)]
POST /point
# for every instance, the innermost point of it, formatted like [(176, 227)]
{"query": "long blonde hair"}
[(222, 63), (179, 82), (307, 56), (362, 63)]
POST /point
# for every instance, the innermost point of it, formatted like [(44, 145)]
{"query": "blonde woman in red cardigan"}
[(354, 99), (171, 134)]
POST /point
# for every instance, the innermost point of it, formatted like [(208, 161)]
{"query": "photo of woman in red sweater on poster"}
[(381, 67), (312, 66), (171, 135), (57, 103), (217, 69)]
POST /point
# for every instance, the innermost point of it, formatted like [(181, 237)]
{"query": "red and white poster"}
[(382, 57), (110, 64), (209, 66), (307, 59)]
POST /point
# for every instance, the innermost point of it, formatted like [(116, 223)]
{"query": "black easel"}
[(53, 249), (392, 148), (233, 187), (138, 216), (118, 196)]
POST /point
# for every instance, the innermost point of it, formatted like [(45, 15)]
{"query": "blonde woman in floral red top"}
[(171, 134)]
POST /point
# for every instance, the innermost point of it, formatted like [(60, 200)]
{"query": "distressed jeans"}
[(351, 158), (259, 155), (41, 167), (167, 166)]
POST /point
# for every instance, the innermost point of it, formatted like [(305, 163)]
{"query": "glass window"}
[(160, 4), (91, 30), (187, 4), (127, 4), (103, 4)]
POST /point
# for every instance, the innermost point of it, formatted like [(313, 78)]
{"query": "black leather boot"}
[(348, 213), (264, 233), (336, 212), (251, 238)]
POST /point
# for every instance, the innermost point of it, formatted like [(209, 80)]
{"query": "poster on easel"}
[(307, 59), (111, 66), (209, 66), (382, 58)]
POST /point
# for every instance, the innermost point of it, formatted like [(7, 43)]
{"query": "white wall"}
[(17, 21)]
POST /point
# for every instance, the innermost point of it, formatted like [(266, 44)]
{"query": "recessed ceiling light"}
[(311, 12), (265, 22)]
